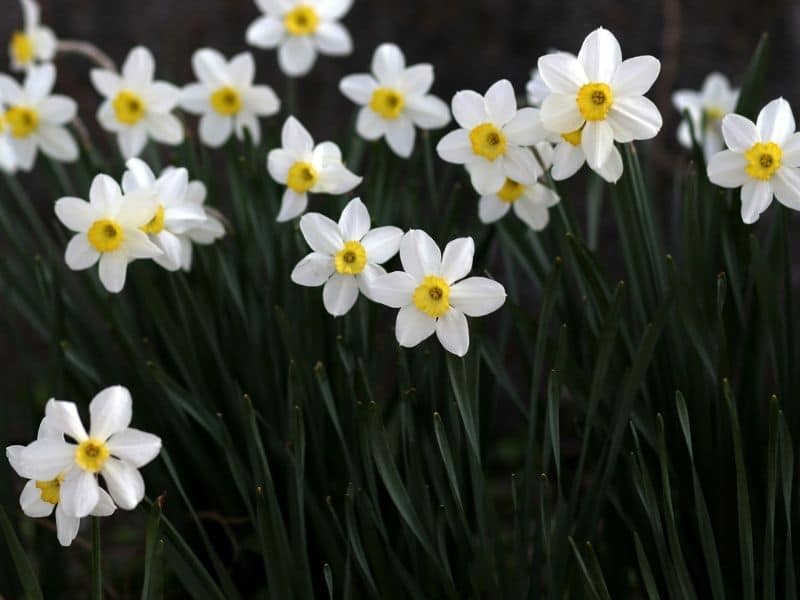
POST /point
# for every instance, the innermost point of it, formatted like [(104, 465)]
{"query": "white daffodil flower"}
[(40, 498), (433, 295), (303, 167), (493, 138), (226, 97), (346, 256), (174, 215), (136, 107), (300, 29), (597, 98), (203, 232), (35, 119), (531, 203), (35, 43), (763, 159), (111, 448), (706, 109), (395, 100), (109, 229)]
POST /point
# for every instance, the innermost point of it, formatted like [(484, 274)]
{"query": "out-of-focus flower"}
[(204, 232), (706, 109), (8, 160), (35, 119), (433, 295), (111, 448), (493, 138), (303, 167), (346, 256), (136, 107), (300, 29), (34, 43), (395, 99), (174, 215), (763, 159), (597, 98), (226, 97), (109, 229), (537, 89), (40, 498)]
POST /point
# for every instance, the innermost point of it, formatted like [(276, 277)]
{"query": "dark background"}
[(471, 43)]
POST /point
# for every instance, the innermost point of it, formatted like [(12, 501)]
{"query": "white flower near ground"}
[(597, 99), (763, 158), (531, 202), (306, 168), (175, 215), (346, 256), (36, 119), (395, 100), (136, 107), (204, 232), (226, 97), (706, 109), (34, 43), (41, 498), (110, 449), (300, 29), (108, 229), (433, 295), (493, 138)]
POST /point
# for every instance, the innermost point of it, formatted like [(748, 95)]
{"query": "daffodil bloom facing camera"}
[(111, 449), (493, 138), (136, 107), (226, 97), (597, 99), (35, 120), (706, 109), (109, 230), (41, 498), (300, 29), (174, 215), (763, 158), (395, 100), (34, 43), (433, 295), (346, 256), (306, 168)]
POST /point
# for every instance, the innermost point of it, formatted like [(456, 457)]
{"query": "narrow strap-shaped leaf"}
[(25, 572)]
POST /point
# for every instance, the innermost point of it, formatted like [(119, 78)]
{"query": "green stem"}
[(97, 574)]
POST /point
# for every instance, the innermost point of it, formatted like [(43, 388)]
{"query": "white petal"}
[(611, 170), (358, 88), (75, 214), (416, 80), (132, 140), (457, 259), (534, 215), (171, 250), (370, 125), (634, 118), (336, 179), (44, 460), (727, 169), (469, 109), (560, 113), (138, 245), (526, 128), (215, 129), (367, 278), (80, 254), (105, 506), (107, 83), (194, 98), (562, 73), (354, 221), (400, 135), (382, 243), (314, 270), (567, 159), (487, 176), (521, 165), (786, 184), (455, 147), (334, 9), (477, 296), (791, 151), (296, 56), (295, 138), (242, 70), (501, 103), (394, 289), (137, 209), (124, 482), (491, 209), (635, 76), (333, 39), (79, 493), (64, 417), (135, 447), (56, 142), (39, 82), (388, 63), (776, 122), (600, 55), (111, 411), (756, 198), (265, 32), (57, 110), (413, 326), (66, 527), (419, 254), (161, 97), (261, 100), (10, 90), (113, 268), (597, 142), (340, 294), (279, 161), (211, 68), (165, 128), (453, 332), (25, 152), (139, 67), (293, 205), (31, 503), (740, 134), (427, 112), (321, 233)]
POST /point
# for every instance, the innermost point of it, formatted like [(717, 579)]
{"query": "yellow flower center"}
[(511, 191), (226, 101), (432, 296), (3, 123), (488, 141), (105, 235), (91, 455), (50, 490), (351, 259), (301, 20), (387, 102), (594, 101), (763, 160), (302, 177), (22, 48), (712, 114), (573, 137), (129, 107), (156, 224), (22, 120)]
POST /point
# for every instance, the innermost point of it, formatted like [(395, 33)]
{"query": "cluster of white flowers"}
[(63, 464)]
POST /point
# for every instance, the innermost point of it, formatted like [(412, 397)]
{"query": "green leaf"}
[(25, 572)]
